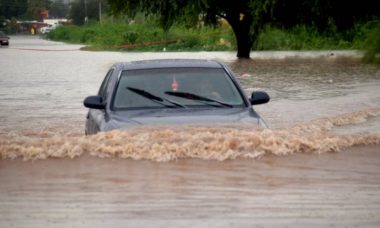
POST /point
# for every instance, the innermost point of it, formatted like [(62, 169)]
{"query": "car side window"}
[(103, 88)]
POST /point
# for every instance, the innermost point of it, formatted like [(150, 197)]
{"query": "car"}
[(170, 91), (48, 28), (4, 39)]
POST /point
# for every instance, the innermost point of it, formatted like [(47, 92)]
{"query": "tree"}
[(246, 17), (325, 13), (15, 8), (86, 8), (35, 7), (59, 9)]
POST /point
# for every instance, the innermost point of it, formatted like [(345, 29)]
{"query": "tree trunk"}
[(244, 44), (241, 28)]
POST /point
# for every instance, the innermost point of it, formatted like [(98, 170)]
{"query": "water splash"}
[(166, 143)]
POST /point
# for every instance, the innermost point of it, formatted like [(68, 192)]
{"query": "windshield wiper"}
[(155, 98), (195, 97)]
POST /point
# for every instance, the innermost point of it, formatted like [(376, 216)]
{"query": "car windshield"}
[(176, 88), (2, 34)]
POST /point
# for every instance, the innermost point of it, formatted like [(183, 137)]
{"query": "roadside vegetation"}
[(372, 43), (180, 25), (148, 36)]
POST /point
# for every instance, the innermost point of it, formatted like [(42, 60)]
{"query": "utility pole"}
[(100, 12), (85, 12)]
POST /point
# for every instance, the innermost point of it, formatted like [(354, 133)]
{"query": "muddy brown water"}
[(318, 164)]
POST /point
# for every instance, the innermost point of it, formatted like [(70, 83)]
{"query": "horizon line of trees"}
[(286, 13), (31, 9), (247, 18)]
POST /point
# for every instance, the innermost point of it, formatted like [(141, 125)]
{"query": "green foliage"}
[(118, 35), (114, 36), (322, 14), (11, 27), (35, 7), (68, 33), (363, 36), (82, 8), (3, 22), (300, 38), (130, 37), (248, 18), (240, 14), (14, 8), (88, 35), (372, 43), (166, 10), (58, 9)]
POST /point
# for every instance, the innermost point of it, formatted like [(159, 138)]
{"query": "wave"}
[(210, 142)]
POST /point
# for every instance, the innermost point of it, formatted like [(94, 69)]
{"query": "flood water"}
[(317, 165)]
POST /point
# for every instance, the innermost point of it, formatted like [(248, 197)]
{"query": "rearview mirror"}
[(95, 102), (259, 97)]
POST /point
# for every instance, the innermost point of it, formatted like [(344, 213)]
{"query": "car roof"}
[(169, 63)]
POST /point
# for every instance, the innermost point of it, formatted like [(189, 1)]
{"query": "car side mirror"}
[(259, 97), (95, 102)]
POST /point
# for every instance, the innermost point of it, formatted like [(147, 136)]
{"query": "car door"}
[(96, 117)]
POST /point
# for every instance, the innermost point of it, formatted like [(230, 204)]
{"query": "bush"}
[(300, 38), (130, 37), (113, 35), (371, 44), (87, 36)]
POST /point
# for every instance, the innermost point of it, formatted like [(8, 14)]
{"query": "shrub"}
[(371, 44)]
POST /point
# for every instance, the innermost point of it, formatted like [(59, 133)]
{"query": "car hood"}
[(123, 119)]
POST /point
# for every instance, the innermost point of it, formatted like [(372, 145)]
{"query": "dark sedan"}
[(170, 92), (4, 39)]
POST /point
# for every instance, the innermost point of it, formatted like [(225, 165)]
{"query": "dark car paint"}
[(107, 119), (4, 39)]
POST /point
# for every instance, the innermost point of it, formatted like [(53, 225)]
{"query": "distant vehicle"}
[(174, 91), (4, 39), (48, 28)]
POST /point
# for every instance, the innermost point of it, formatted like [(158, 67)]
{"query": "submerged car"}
[(172, 91), (4, 39)]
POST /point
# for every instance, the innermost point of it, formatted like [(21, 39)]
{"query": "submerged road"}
[(329, 190), (41, 93)]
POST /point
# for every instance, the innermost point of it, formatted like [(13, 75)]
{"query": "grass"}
[(150, 37), (300, 38), (371, 43)]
